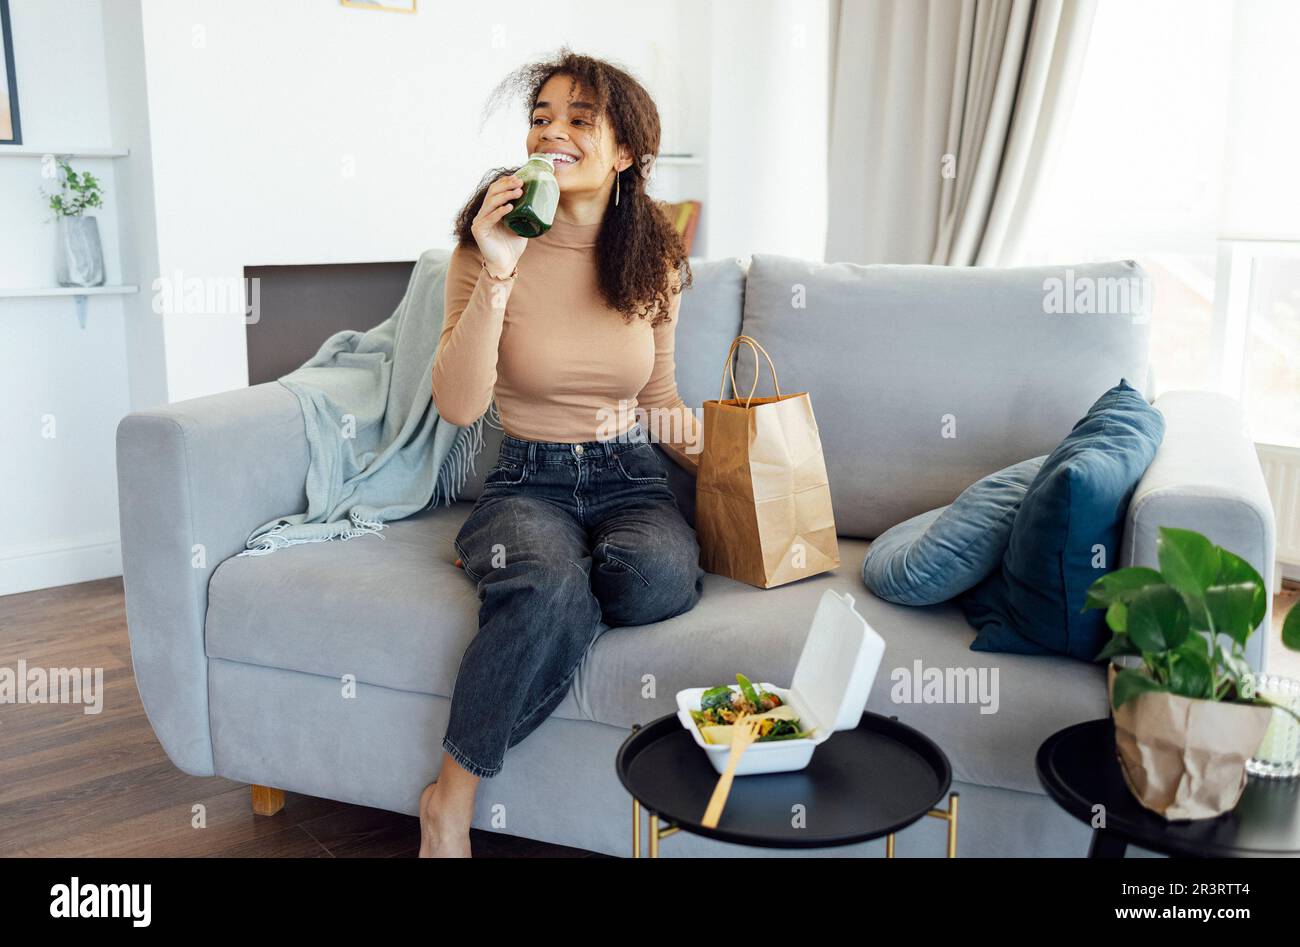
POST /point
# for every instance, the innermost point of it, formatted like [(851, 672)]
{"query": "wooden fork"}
[(743, 733)]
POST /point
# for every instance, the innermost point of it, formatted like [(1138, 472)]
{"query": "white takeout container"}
[(829, 692)]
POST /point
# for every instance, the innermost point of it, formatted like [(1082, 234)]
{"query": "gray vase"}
[(80, 254)]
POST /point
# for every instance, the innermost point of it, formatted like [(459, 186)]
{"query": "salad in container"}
[(829, 692)]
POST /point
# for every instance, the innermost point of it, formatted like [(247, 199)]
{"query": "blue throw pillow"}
[(1067, 534), (940, 554)]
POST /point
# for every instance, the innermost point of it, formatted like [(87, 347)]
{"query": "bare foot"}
[(438, 840), (428, 838)]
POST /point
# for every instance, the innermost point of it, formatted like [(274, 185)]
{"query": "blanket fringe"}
[(273, 539), (459, 462)]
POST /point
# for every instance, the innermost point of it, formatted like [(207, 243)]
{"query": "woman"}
[(572, 333)]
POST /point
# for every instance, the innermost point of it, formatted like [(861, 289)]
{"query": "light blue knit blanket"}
[(379, 451)]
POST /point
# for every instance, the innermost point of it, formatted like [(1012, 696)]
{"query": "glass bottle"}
[(534, 212)]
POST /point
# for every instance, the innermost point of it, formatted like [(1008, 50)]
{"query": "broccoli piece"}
[(716, 697)]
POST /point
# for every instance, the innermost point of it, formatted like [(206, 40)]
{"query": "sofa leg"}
[(267, 801)]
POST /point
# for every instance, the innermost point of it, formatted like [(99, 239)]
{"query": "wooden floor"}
[(77, 784)]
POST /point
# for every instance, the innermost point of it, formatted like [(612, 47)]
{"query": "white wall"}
[(143, 333), (60, 524), (301, 131), (767, 131), (307, 132), (302, 161)]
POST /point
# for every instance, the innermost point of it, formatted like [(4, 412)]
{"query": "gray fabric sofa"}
[(241, 662)]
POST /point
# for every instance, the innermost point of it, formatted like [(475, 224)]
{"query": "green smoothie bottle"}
[(534, 212)]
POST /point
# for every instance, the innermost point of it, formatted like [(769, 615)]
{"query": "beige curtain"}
[(944, 119)]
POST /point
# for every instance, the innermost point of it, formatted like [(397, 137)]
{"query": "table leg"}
[(889, 845), (949, 815), (1106, 845), (636, 828), (654, 835), (952, 825)]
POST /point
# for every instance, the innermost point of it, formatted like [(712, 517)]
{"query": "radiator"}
[(1281, 467)]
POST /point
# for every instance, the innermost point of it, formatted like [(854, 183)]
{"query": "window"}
[(1258, 321), (1179, 153)]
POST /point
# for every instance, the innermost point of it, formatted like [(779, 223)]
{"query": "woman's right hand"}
[(499, 246)]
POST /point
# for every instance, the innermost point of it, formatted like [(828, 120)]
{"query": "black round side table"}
[(862, 784), (1078, 768)]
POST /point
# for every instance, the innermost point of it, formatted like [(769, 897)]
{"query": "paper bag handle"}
[(727, 368)]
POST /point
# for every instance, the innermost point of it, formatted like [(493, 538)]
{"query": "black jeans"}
[(563, 536)]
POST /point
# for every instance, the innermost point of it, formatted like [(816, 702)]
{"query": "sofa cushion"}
[(395, 612), (1067, 534), (710, 318), (936, 556), (924, 379), (391, 608)]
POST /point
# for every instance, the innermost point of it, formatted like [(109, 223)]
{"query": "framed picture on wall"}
[(10, 130), (392, 6)]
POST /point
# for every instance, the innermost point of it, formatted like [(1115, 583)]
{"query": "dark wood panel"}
[(299, 307)]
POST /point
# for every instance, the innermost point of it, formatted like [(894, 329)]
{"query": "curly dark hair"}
[(637, 246)]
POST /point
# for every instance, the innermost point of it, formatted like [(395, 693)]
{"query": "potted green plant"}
[(80, 260), (1187, 716)]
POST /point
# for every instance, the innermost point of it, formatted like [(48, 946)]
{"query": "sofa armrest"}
[(1205, 476), (194, 478)]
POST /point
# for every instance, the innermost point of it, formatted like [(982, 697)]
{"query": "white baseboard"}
[(45, 565)]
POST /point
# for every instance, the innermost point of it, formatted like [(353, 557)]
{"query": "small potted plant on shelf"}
[(1186, 710), (80, 253)]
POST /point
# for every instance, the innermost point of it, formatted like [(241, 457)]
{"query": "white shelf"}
[(79, 295), (30, 151), (68, 291)]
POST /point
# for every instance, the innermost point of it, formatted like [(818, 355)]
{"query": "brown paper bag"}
[(1185, 758), (762, 501)]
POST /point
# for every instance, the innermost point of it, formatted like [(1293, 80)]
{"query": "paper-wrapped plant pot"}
[(1184, 758)]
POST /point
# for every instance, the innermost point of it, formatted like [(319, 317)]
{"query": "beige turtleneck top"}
[(561, 365)]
